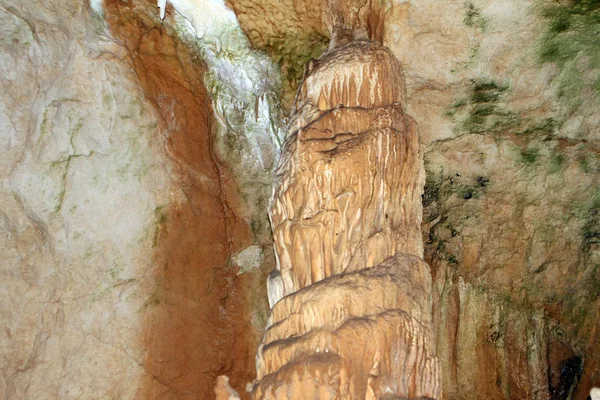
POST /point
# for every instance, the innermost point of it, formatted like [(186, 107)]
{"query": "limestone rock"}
[(347, 189), (507, 105), (274, 287), (400, 281), (370, 322), (355, 319), (116, 223), (370, 357), (80, 178), (348, 77)]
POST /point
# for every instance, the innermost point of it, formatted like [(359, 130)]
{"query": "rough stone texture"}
[(323, 339), (506, 97), (355, 321), (93, 199), (81, 177), (196, 328), (303, 35), (400, 281), (510, 204), (117, 221)]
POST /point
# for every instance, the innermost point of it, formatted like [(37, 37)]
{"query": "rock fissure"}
[(224, 203)]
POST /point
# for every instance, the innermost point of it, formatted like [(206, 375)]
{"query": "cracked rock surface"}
[(106, 167)]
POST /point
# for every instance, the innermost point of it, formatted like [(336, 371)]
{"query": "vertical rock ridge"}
[(347, 214), (351, 300)]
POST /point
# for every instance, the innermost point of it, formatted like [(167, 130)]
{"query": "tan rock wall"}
[(117, 221), (82, 176)]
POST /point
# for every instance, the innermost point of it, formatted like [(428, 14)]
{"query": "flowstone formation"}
[(351, 297)]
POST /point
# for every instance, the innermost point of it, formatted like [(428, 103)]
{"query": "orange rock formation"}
[(354, 321)]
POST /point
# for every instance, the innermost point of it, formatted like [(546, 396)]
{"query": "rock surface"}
[(355, 321), (512, 189), (347, 191), (82, 174), (106, 171), (353, 335), (505, 93), (117, 220)]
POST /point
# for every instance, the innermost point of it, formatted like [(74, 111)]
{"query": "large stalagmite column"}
[(351, 297)]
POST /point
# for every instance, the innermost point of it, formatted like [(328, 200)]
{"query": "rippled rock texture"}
[(127, 201), (355, 322), (347, 194)]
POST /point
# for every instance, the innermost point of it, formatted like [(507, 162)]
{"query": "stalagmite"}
[(351, 300)]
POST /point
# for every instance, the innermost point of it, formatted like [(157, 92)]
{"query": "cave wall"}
[(506, 97), (122, 229), (124, 222), (511, 128)]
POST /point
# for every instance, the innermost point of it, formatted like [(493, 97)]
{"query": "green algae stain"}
[(544, 127), (292, 53), (481, 109), (473, 17), (591, 227), (584, 163), (571, 42), (530, 156), (556, 163)]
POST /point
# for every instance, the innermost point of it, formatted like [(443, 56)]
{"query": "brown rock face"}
[(117, 220), (196, 326), (355, 321)]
